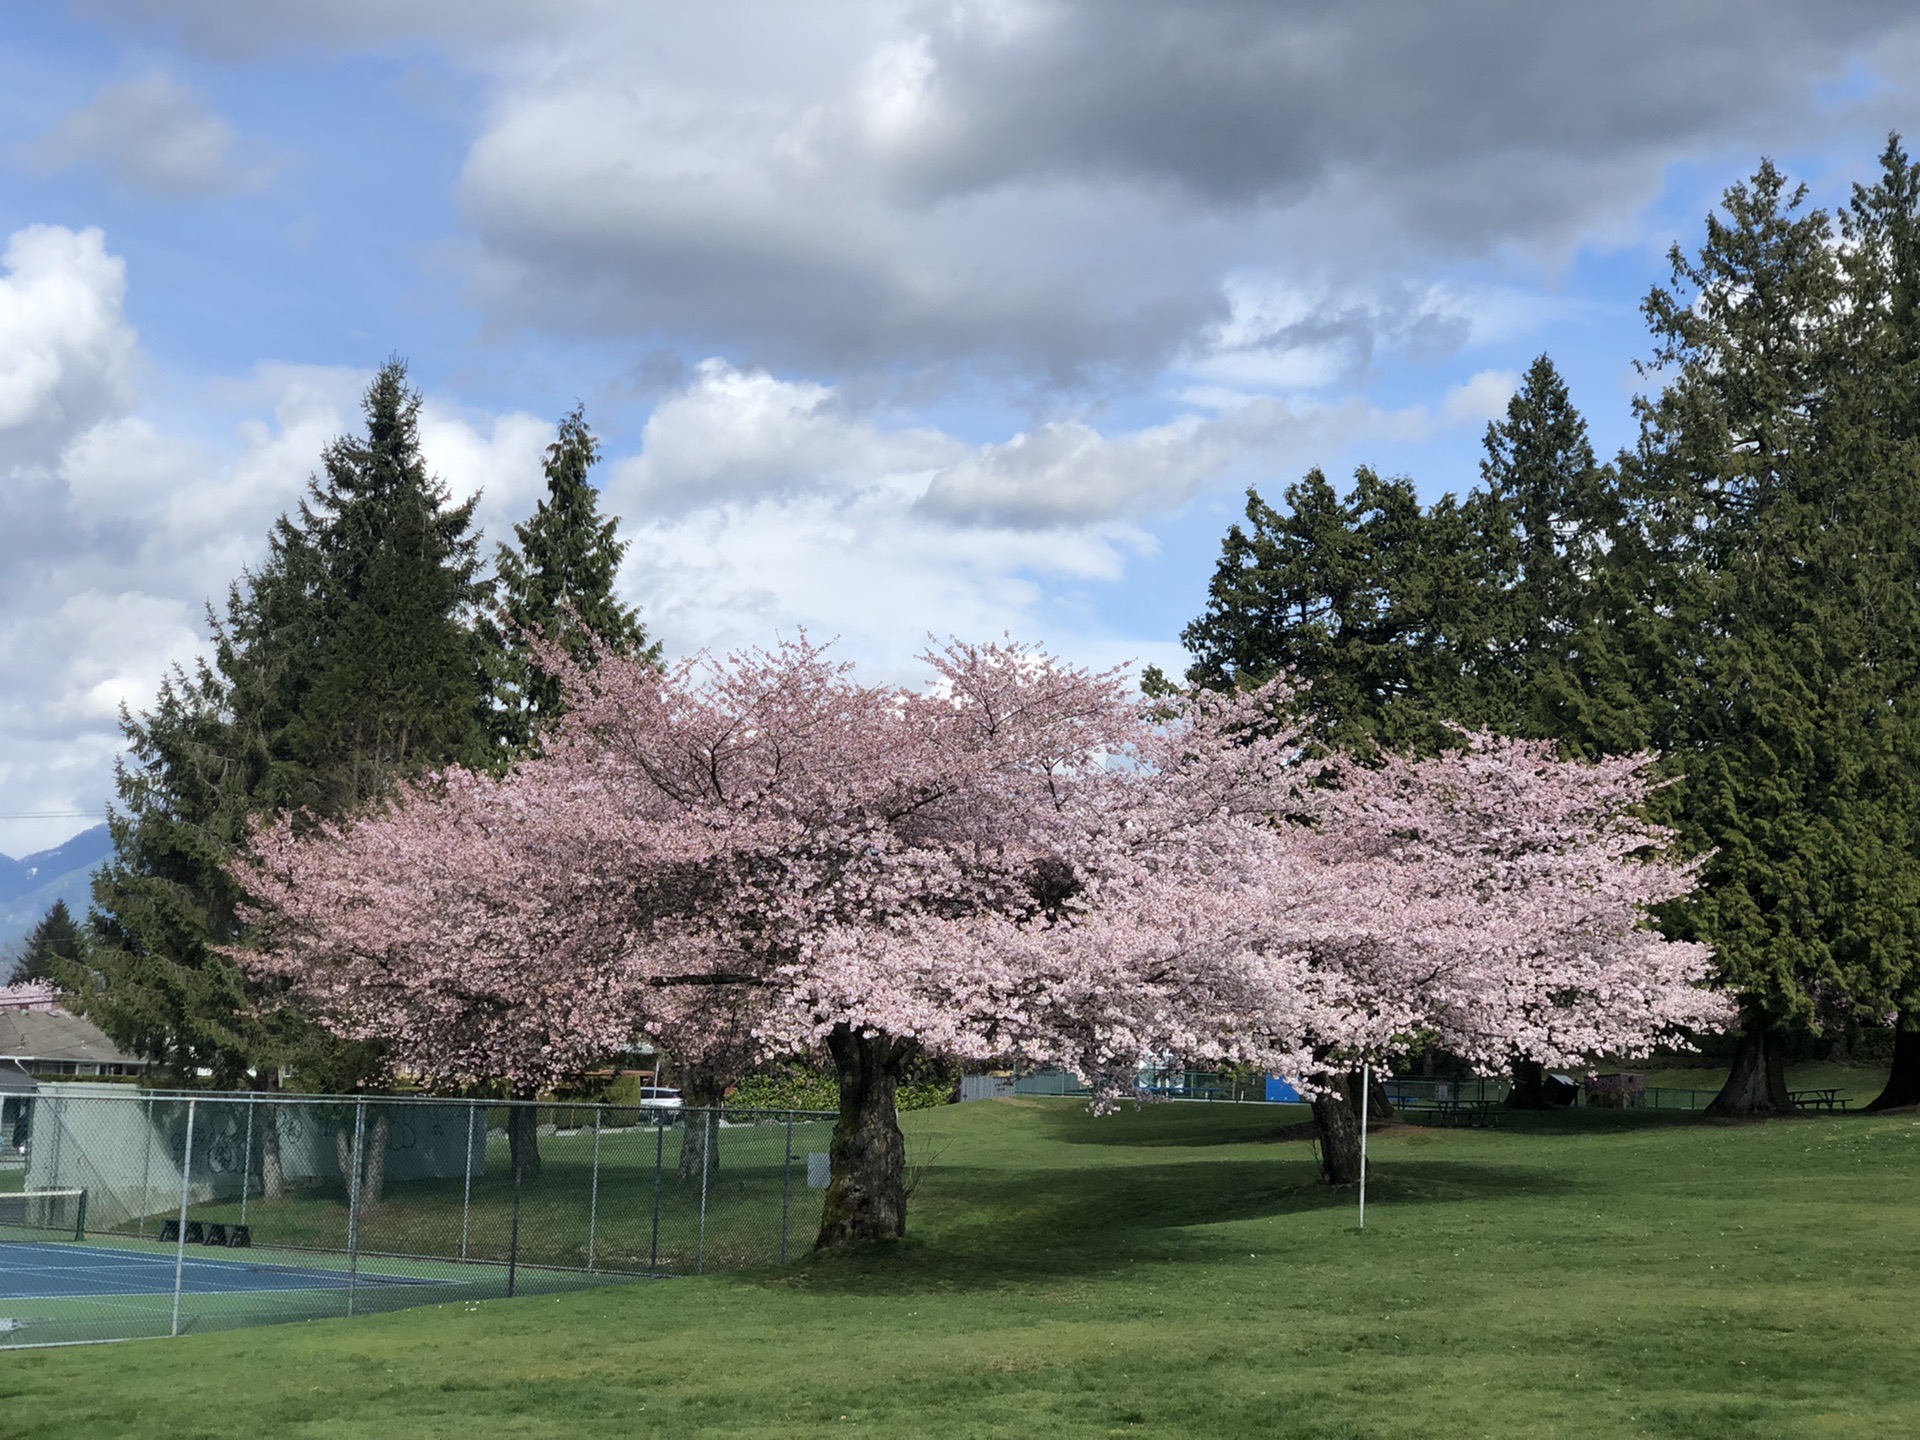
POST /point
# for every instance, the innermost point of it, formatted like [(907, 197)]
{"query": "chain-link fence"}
[(145, 1213)]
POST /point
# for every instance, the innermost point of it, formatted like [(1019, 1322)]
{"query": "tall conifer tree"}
[(53, 950), (1763, 478), (347, 660), (557, 582)]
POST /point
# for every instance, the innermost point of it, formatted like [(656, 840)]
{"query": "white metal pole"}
[(180, 1245), (1366, 1093)]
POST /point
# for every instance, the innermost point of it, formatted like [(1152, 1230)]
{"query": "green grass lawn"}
[(1168, 1272)]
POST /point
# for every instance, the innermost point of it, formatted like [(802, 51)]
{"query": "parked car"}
[(655, 1097)]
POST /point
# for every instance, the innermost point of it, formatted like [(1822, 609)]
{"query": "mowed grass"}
[(1169, 1272)]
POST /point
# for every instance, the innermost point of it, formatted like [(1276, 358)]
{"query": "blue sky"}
[(896, 318)]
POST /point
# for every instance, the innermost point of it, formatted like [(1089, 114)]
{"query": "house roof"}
[(38, 1036)]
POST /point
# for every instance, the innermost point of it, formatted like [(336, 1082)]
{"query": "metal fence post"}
[(466, 1184), (593, 1194), (146, 1174), (786, 1190), (246, 1159), (709, 1121), (180, 1243), (513, 1241), (659, 1157), (356, 1164)]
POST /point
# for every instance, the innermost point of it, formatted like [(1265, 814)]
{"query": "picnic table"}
[(1818, 1099), (1464, 1112)]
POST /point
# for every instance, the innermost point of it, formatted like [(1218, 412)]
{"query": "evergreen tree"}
[(1875, 411), (557, 582), (1555, 517), (388, 662), (1763, 476), (52, 950), (164, 904), (1379, 604), (348, 660)]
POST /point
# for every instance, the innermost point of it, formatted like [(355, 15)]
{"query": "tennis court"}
[(271, 1209), (62, 1272)]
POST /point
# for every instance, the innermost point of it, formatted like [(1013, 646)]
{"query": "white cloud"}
[(732, 434), (153, 134), (1481, 397), (67, 352), (231, 28), (1066, 187)]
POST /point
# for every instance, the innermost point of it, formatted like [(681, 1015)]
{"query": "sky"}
[(897, 320)]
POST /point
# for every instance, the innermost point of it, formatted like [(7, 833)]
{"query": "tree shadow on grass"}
[(1169, 1124), (982, 1229)]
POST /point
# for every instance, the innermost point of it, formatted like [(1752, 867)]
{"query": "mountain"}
[(30, 885)]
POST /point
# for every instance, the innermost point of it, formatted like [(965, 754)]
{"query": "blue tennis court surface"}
[(63, 1272)]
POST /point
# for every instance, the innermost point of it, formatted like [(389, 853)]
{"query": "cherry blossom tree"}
[(1021, 859)]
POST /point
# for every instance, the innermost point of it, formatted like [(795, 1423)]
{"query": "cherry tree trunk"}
[(703, 1091), (1758, 1083), (523, 1137), (1529, 1089), (867, 1195), (373, 1172), (1336, 1114), (1903, 1082)]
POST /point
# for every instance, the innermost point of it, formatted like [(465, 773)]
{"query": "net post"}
[(593, 1193), (708, 1123), (356, 1164), (659, 1157), (786, 1190), (180, 1242), (80, 1219), (466, 1184)]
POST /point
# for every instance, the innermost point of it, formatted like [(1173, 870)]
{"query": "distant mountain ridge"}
[(30, 885)]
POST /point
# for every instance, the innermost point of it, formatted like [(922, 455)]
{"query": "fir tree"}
[(390, 665), (557, 583), (1766, 484), (1376, 602), (53, 950), (347, 660)]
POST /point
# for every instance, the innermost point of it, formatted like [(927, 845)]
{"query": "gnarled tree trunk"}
[(1903, 1082), (703, 1091), (867, 1195), (1758, 1083), (523, 1137), (371, 1164), (1529, 1088), (1336, 1114)]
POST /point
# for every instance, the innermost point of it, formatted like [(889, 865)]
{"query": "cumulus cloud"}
[(152, 134), (1065, 185), (120, 528), (733, 434), (230, 28), (66, 350)]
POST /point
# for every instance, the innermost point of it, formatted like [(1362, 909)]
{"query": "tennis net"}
[(44, 1214)]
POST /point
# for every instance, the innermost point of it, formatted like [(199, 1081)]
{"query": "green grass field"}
[(1168, 1272)]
